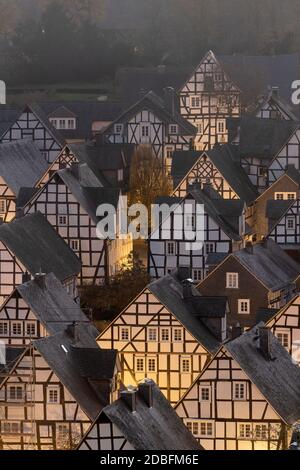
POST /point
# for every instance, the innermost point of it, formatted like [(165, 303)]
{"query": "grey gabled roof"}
[(263, 138), (155, 428), (158, 106), (265, 314), (87, 193), (225, 212), (7, 117), (62, 351), (52, 305), (226, 159), (21, 164), (275, 210), (293, 173), (277, 379), (36, 244), (270, 264), (169, 291), (274, 98)]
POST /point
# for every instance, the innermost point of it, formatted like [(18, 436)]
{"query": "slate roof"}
[(158, 106), (7, 117), (24, 196), (155, 428), (264, 138), (87, 195), (75, 374), (226, 159), (169, 291), (35, 243), (275, 210), (255, 74), (270, 264), (86, 112), (277, 379), (265, 314), (21, 164), (38, 111), (293, 173), (52, 305), (274, 98)]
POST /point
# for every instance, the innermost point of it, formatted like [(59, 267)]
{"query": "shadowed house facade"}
[(36, 309), (247, 397), (55, 389), (21, 166), (167, 334), (275, 107), (69, 201), (141, 419), (201, 211), (33, 124), (258, 276), (30, 245)]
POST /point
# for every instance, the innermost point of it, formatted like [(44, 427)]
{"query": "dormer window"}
[(63, 123), (118, 129), (173, 129)]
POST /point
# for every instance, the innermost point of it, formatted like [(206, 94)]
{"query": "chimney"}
[(40, 279), (75, 170), (145, 390), (26, 277), (72, 331), (275, 91), (129, 397), (187, 289), (264, 337), (236, 331), (183, 273), (249, 248), (170, 99)]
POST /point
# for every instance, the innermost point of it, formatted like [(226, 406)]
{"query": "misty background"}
[(52, 41)]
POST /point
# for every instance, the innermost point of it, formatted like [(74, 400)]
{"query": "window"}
[(140, 364), (279, 196), (71, 123), (232, 280), (30, 329), (53, 394), (54, 123), (218, 77), (151, 364), (169, 152), (291, 223), (284, 338), (185, 365), (239, 390), (244, 306), (145, 131), (171, 248), (120, 175), (204, 393), (261, 171), (173, 129), (177, 335), (200, 428), (190, 221), (10, 427), (152, 334), (62, 220), (15, 393), (209, 248), (125, 333), (195, 101), (244, 431), (206, 429), (200, 128), (62, 433), (75, 245), (285, 196), (261, 431), (291, 196), (165, 335), (197, 275), (221, 127), (2, 206), (3, 328), (16, 329), (118, 129), (62, 123)]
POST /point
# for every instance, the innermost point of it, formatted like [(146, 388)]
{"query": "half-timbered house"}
[(207, 99), (21, 165), (285, 325), (69, 201), (284, 224), (274, 107), (55, 390), (219, 167), (272, 204), (220, 222), (151, 121), (258, 276), (167, 334), (38, 308), (141, 419), (33, 124), (266, 148), (29, 245), (247, 397)]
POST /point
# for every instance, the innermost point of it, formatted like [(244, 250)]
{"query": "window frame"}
[(175, 330), (123, 329), (195, 98), (201, 389), (182, 366), (53, 388), (237, 396), (120, 131), (6, 324), (234, 276), (153, 328), (161, 331), (19, 323), (173, 129), (169, 244), (241, 302)]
